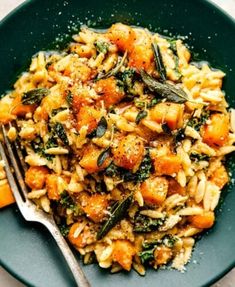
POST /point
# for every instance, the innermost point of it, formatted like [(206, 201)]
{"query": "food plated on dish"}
[(125, 137)]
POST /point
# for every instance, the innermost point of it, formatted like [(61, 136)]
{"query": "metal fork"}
[(30, 211)]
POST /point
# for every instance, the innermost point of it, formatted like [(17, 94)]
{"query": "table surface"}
[(6, 280)]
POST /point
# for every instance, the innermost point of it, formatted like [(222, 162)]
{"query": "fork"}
[(30, 211)]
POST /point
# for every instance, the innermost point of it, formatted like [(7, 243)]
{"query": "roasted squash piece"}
[(18, 109), (109, 91), (122, 36), (123, 253), (215, 132), (90, 158), (162, 255), (203, 221), (154, 190), (6, 196), (169, 113), (95, 206), (88, 116), (35, 176), (167, 164), (129, 153)]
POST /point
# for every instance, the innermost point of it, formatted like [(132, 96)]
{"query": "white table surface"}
[(6, 280)]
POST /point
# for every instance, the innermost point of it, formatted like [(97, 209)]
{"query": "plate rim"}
[(209, 3)]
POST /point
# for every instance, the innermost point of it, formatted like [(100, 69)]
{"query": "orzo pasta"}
[(124, 137)]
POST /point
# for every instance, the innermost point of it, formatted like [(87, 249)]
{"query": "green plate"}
[(28, 251)]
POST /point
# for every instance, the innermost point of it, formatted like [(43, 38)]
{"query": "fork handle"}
[(73, 264)]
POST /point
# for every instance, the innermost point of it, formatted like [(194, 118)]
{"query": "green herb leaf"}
[(153, 103), (117, 213), (165, 90), (159, 62), (149, 247), (115, 70), (103, 156), (199, 157), (144, 223), (67, 201), (196, 123), (141, 115), (34, 96), (101, 47), (101, 128), (145, 168), (112, 170), (179, 135), (166, 128), (147, 255), (69, 98), (60, 132), (64, 230)]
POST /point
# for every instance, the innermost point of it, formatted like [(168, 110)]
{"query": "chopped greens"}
[(64, 229), (141, 115), (144, 223), (159, 62), (67, 201), (196, 123), (34, 97), (147, 254), (199, 157), (118, 212), (101, 47), (141, 175), (69, 98), (167, 91)]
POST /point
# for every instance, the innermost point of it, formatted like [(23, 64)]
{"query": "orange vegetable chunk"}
[(169, 113), (6, 196), (206, 220), (154, 190), (123, 253), (129, 153), (109, 91), (215, 133), (90, 157), (167, 164), (35, 176), (95, 206), (122, 36)]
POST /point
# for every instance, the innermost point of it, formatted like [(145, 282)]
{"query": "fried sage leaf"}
[(167, 91), (159, 62), (141, 115), (100, 130), (60, 132), (118, 212), (102, 157), (34, 96)]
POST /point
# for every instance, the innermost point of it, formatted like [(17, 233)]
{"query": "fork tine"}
[(18, 150), (15, 165), (11, 179)]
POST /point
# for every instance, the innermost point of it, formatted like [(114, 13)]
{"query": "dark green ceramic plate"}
[(28, 251)]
